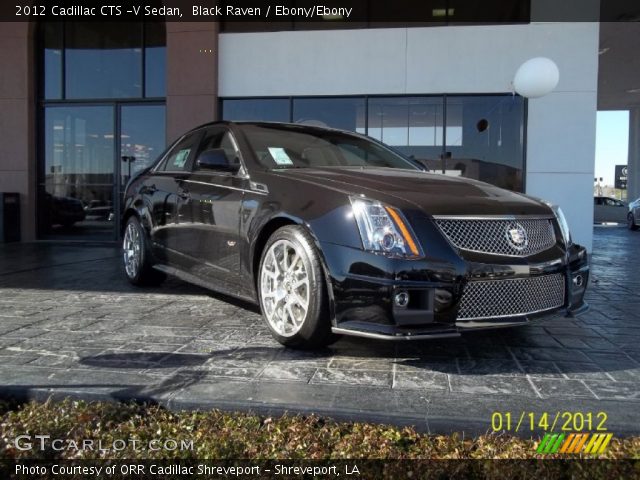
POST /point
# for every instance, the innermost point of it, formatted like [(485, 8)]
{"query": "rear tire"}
[(138, 264), (631, 222), (292, 290)]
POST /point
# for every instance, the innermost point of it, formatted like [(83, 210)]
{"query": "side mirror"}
[(216, 159)]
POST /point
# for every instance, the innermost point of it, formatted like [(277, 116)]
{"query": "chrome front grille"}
[(496, 236), (509, 298)]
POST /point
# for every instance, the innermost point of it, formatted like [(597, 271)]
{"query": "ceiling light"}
[(634, 90)]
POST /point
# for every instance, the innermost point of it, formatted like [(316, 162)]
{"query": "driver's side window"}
[(217, 137), (180, 157)]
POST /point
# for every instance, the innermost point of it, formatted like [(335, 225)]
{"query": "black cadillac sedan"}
[(331, 233)]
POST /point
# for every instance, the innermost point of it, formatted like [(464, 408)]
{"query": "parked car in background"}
[(331, 232), (99, 210), (633, 216), (63, 211), (609, 210)]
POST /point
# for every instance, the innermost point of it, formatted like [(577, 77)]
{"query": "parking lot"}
[(70, 325)]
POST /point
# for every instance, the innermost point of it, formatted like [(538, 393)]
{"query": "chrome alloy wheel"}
[(132, 246), (284, 288)]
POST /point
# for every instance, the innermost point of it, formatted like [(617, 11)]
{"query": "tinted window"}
[(180, 157), (155, 60), (485, 139), (53, 45), (142, 137), (212, 138), (103, 60), (79, 145), (310, 147), (218, 137)]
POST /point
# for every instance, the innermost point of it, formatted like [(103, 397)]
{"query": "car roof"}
[(277, 125)]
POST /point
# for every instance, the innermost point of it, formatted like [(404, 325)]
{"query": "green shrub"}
[(222, 435)]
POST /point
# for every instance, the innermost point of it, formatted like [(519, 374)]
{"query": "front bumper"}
[(364, 285)]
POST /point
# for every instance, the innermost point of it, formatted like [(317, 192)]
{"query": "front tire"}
[(631, 222), (138, 265), (292, 290)]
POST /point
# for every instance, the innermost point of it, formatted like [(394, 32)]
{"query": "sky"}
[(612, 142)]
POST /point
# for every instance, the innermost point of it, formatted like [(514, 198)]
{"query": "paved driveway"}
[(71, 325)]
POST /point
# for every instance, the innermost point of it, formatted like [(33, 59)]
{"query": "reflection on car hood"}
[(435, 194)]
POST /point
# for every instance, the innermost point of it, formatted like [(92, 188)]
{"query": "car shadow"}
[(510, 352)]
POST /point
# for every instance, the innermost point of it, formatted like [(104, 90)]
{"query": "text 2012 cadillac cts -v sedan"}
[(331, 233)]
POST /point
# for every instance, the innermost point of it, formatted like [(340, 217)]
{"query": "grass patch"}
[(220, 435)]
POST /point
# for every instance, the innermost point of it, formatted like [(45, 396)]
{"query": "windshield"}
[(304, 147)]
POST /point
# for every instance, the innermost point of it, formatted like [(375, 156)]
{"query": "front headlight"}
[(384, 229)]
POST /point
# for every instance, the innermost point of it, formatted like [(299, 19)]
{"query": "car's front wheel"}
[(631, 221), (292, 290), (136, 252)]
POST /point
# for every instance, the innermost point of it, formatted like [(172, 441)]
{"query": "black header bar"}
[(357, 13)]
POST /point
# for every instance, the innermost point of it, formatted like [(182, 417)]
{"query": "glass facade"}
[(346, 113), (259, 109), (480, 136), (103, 119), (103, 60)]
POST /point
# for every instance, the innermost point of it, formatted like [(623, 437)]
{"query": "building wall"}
[(17, 120), (192, 76), (458, 59)]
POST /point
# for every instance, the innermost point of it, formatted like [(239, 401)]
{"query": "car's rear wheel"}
[(292, 290), (138, 264), (631, 221)]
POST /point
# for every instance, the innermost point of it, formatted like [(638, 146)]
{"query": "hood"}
[(434, 194)]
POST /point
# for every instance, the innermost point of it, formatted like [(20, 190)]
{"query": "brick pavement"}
[(70, 325)]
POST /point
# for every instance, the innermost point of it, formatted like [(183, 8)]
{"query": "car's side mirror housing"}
[(216, 159)]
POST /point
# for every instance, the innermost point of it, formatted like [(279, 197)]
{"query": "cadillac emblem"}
[(517, 236)]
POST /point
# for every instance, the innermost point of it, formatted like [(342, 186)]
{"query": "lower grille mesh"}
[(505, 298)]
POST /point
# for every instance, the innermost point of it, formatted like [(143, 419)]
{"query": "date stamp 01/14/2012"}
[(564, 432)]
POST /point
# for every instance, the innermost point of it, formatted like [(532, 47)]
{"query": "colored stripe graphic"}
[(598, 444), (550, 443), (567, 443), (556, 445), (580, 443), (606, 441), (574, 443), (542, 443)]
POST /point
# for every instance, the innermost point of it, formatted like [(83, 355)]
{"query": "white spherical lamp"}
[(536, 77)]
